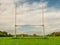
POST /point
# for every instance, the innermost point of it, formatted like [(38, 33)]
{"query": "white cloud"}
[(6, 1), (6, 14), (28, 14)]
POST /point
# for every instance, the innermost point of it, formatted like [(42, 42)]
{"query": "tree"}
[(34, 35), (55, 34), (3, 33)]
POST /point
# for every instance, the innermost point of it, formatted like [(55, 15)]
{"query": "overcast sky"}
[(29, 12)]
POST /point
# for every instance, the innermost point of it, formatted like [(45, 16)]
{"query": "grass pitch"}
[(29, 41)]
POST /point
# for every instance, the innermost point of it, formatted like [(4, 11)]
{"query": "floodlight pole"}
[(43, 25)]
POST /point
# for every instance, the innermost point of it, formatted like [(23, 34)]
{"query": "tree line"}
[(54, 34), (5, 34)]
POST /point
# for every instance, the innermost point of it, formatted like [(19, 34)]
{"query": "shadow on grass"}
[(15, 38), (30, 38)]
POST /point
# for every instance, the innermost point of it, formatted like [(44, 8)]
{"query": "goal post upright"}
[(15, 19), (43, 25)]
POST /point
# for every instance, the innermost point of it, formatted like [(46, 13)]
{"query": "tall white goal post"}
[(43, 25)]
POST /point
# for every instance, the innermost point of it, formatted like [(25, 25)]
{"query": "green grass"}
[(29, 41)]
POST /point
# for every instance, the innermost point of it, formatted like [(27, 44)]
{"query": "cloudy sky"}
[(29, 12)]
